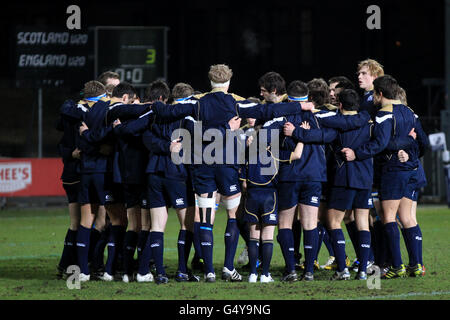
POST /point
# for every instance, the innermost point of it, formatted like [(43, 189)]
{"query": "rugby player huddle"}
[(308, 157)]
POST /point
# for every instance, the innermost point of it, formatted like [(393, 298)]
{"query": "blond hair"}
[(401, 95), (375, 68), (93, 88), (220, 73), (182, 90)]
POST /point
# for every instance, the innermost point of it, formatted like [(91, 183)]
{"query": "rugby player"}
[(397, 179), (70, 117)]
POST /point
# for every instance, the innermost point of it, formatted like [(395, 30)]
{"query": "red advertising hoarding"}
[(25, 177)]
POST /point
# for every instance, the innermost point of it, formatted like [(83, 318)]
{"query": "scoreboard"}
[(137, 54), (52, 57)]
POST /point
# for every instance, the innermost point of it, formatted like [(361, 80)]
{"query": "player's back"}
[(93, 142), (70, 117), (404, 121), (160, 160), (312, 164), (262, 173), (355, 174), (217, 108)]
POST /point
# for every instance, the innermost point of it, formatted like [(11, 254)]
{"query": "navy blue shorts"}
[(144, 202), (261, 206), (415, 195), (207, 179), (343, 198), (163, 192), (325, 192), (72, 191), (133, 194), (190, 192), (292, 193), (398, 184), (92, 188), (114, 191)]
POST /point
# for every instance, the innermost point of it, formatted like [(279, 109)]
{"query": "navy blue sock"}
[(83, 236), (285, 238), (129, 247), (419, 244), (244, 230), (119, 256), (68, 256), (388, 248), (364, 249), (142, 240), (321, 231), (372, 244), (353, 234), (207, 244), (188, 245), (338, 240), (297, 233), (94, 238), (393, 236), (231, 242), (310, 242), (144, 259), (267, 251), (327, 241), (181, 243), (407, 243), (253, 253), (381, 243), (113, 249), (99, 252), (410, 238), (157, 245), (196, 243)]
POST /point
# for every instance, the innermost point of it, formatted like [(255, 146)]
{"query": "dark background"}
[(299, 39)]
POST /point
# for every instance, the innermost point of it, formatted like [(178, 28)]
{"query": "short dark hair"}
[(297, 88), (345, 84), (386, 85), (107, 75), (155, 90), (319, 91), (273, 81), (349, 99), (124, 88), (338, 79)]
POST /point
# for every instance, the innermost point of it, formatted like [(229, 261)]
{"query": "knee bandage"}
[(232, 203), (206, 202)]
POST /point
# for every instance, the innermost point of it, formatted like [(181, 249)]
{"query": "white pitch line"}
[(404, 295)]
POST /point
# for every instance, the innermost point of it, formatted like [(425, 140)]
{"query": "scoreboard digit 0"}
[(137, 54)]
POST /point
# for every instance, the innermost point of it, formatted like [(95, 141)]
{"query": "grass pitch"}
[(31, 242)]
